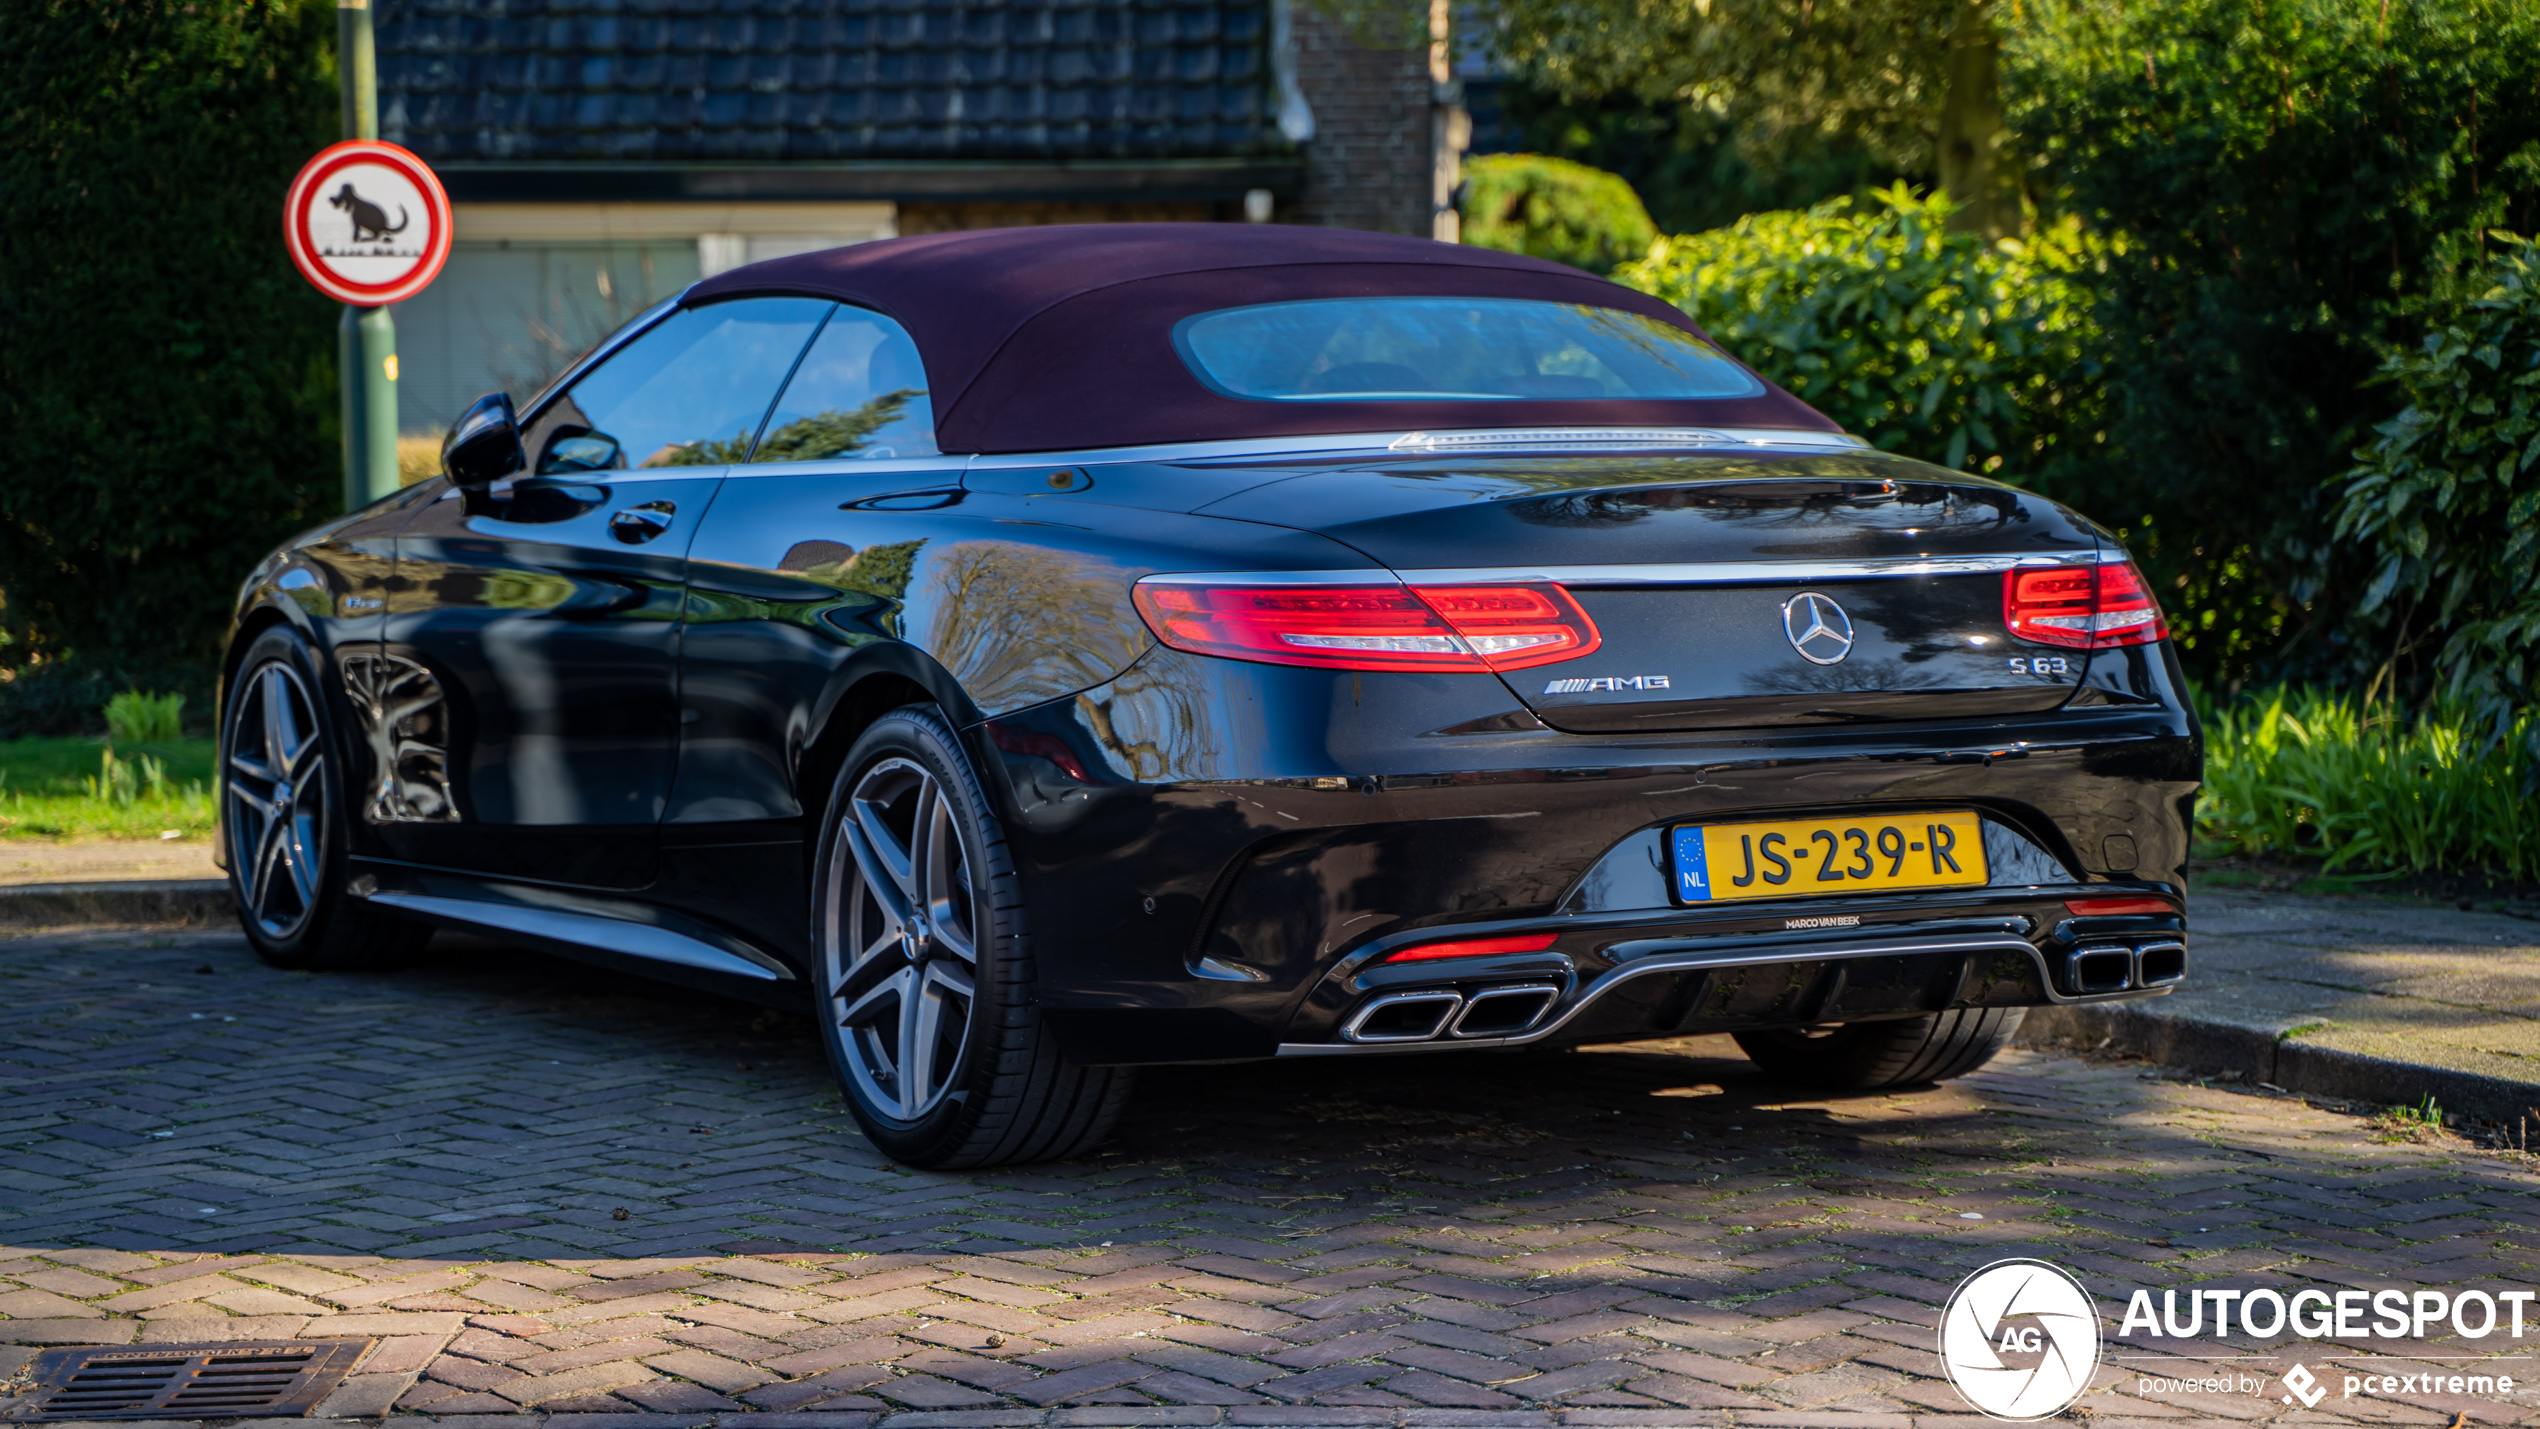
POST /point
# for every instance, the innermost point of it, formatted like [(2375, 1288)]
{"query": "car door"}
[(805, 560), (540, 619)]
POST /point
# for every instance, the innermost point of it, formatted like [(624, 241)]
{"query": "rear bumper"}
[(1663, 977), (1216, 855)]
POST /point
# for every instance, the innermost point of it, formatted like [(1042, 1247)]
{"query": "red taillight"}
[(1513, 626), (2114, 907), (1372, 627), (2082, 607), (1476, 947)]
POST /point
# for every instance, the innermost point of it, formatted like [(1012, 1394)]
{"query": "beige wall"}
[(950, 217)]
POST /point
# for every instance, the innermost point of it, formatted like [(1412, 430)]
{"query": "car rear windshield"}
[(1452, 349)]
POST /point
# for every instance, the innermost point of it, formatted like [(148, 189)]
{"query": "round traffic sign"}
[(367, 223)]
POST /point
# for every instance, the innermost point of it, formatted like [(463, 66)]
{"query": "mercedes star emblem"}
[(1817, 627)]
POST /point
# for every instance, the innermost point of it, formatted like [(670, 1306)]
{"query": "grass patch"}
[(2371, 792), (61, 789), (2419, 1123)]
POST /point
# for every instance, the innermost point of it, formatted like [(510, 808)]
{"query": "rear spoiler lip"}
[(1687, 573)]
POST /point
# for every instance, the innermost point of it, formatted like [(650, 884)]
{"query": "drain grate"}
[(267, 1379)]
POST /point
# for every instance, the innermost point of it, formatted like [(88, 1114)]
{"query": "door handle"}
[(637, 524)]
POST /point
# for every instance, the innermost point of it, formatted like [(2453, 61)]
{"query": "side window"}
[(860, 392), (691, 392)]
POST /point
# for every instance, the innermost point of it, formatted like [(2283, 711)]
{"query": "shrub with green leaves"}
[(2445, 500), (167, 382), (2306, 774), (1553, 208), (135, 718), (2295, 179), (1977, 356)]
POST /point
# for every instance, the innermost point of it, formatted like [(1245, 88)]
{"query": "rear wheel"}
[(1861, 1056), (282, 816), (925, 967)]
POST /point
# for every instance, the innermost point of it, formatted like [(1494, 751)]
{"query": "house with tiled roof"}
[(603, 154)]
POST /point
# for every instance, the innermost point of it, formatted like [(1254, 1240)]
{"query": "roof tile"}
[(824, 79)]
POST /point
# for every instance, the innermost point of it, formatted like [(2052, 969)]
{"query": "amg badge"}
[(1609, 682)]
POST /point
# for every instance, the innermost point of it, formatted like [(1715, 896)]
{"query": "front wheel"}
[(1864, 1056), (282, 816), (926, 974)]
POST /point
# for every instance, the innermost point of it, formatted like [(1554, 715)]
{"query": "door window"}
[(860, 392), (691, 392)]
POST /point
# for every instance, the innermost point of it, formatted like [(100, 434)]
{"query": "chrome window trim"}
[(1273, 449), (1685, 573)]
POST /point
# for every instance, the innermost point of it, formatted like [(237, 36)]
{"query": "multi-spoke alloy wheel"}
[(282, 817), (277, 795), (926, 988), (902, 942)]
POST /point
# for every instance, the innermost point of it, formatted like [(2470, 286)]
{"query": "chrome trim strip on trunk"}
[(1682, 573), (1697, 962), (613, 935), (1270, 450), (1617, 439)]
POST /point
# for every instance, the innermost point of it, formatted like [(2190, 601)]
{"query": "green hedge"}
[(1976, 356), (1553, 208), (167, 382), (2445, 500), (2298, 183)]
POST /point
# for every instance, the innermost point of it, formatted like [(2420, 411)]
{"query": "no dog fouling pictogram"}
[(367, 223)]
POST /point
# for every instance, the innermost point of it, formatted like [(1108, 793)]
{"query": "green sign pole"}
[(366, 339)]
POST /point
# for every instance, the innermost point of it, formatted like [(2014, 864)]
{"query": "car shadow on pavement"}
[(546, 1187)]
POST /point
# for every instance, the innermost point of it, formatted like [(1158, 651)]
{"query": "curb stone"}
[(195, 902), (2199, 1045)]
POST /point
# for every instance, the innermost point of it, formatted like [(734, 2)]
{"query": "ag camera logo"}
[(2019, 1340)]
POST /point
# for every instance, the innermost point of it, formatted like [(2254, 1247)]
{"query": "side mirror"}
[(483, 446)]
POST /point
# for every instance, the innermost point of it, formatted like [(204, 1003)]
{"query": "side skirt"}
[(618, 934)]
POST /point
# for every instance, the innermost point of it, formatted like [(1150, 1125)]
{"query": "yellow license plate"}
[(1791, 858)]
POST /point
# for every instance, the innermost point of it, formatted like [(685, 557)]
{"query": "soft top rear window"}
[(1451, 349)]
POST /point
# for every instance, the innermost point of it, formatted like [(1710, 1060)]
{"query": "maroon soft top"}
[(1060, 338)]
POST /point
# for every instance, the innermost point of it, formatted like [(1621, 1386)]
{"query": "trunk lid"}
[(1728, 591)]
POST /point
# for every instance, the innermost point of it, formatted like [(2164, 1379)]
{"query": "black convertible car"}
[(1048, 652)]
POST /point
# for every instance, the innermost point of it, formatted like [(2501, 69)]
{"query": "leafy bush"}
[(135, 718), (1937, 344), (1689, 166), (2295, 180), (1553, 208), (2445, 499), (2310, 774), (167, 382)]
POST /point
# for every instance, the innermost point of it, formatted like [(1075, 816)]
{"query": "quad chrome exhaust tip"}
[(1434, 1014), (2124, 967)]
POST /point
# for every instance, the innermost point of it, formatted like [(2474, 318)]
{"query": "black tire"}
[(283, 818), (903, 954), (1863, 1056)]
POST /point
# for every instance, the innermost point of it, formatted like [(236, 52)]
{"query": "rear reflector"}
[(1476, 947), (2115, 907), (1372, 627), (2082, 607)]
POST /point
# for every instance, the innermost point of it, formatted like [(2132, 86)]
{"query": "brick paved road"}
[(554, 1191)]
